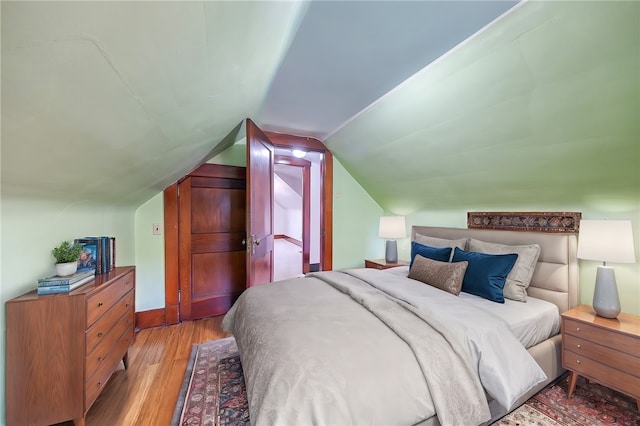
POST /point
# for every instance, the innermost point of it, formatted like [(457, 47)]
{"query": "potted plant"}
[(67, 255)]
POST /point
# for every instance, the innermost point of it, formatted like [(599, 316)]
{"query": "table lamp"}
[(391, 228), (606, 241)]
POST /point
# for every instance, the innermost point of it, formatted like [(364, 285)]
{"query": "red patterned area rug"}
[(592, 404), (214, 393)]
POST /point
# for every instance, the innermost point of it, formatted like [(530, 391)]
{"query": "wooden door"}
[(259, 220), (211, 240)]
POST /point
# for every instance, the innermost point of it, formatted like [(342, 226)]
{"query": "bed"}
[(364, 346)]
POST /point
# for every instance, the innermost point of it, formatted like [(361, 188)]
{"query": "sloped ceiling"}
[(116, 100), (542, 109)]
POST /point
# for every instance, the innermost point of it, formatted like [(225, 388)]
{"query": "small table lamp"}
[(606, 241), (392, 227)]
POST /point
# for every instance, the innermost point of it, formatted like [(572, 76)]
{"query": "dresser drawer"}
[(96, 382), (99, 330), (618, 341), (601, 373), (95, 359), (102, 301)]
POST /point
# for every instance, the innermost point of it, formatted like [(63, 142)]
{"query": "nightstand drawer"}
[(618, 341), (601, 373), (611, 357)]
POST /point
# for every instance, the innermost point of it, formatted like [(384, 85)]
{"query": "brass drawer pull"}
[(100, 334), (100, 359), (578, 329), (578, 346), (578, 361), (100, 304)]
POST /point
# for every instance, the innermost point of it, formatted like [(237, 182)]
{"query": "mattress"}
[(531, 322)]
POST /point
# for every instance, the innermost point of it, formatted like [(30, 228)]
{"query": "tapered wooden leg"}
[(79, 422), (573, 378), (125, 360)]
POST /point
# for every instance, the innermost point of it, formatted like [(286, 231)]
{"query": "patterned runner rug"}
[(213, 393)]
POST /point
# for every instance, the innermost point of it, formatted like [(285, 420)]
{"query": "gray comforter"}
[(365, 346)]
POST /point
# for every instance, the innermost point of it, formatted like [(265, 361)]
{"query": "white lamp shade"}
[(392, 227), (606, 241)]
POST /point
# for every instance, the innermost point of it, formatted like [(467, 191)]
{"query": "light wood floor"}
[(146, 393)]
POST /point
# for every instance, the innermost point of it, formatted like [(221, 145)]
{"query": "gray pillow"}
[(519, 278), (443, 275), (441, 242)]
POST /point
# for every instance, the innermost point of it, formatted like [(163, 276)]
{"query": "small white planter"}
[(66, 269)]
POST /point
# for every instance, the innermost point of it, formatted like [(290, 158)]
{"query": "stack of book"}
[(98, 253), (58, 284)]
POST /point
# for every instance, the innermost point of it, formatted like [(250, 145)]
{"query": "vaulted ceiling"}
[(116, 100)]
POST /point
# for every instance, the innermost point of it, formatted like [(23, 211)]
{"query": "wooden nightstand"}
[(382, 264), (604, 350)]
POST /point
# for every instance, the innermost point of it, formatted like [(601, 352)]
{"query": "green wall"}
[(355, 222), (149, 255), (235, 155)]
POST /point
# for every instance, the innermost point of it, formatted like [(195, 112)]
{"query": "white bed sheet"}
[(531, 322)]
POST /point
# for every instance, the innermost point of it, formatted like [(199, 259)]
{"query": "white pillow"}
[(441, 242), (519, 278)]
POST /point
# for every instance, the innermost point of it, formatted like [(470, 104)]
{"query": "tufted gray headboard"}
[(556, 275)]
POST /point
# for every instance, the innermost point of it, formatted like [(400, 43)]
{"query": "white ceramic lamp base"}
[(606, 302)]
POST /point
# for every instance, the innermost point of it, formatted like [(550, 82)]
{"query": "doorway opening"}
[(316, 248)]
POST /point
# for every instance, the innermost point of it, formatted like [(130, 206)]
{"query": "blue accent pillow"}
[(441, 254), (486, 273)]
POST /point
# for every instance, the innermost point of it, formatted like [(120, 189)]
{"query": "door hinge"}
[(179, 300)]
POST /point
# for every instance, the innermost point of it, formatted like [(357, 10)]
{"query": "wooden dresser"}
[(604, 350), (61, 349)]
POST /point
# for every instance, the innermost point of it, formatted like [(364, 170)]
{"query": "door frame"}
[(306, 203), (281, 140)]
